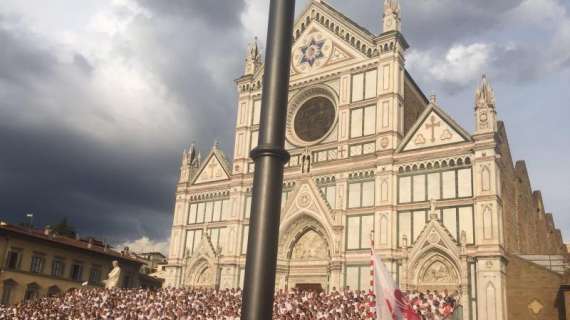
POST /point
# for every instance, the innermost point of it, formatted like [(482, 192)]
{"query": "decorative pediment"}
[(433, 128), (435, 236), (322, 14), (322, 37), (204, 250), (318, 48), (215, 168), (306, 197)]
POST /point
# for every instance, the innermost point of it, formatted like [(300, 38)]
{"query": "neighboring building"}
[(152, 260), (370, 153), (37, 263), (153, 269)]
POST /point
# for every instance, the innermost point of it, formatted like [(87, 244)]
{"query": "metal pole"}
[(269, 157)]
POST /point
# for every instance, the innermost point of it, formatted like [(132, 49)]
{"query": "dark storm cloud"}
[(112, 189), (54, 171)]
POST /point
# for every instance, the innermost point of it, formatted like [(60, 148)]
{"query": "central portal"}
[(309, 262)]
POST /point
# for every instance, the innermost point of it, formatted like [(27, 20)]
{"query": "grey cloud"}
[(20, 60), (81, 62), (217, 14), (433, 23)]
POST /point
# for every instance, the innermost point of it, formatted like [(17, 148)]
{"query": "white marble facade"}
[(383, 158)]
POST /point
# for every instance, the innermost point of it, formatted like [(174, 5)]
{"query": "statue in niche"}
[(432, 210), (463, 237)]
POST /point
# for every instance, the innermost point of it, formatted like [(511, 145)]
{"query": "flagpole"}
[(371, 297)]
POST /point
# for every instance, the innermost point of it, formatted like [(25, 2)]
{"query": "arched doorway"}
[(309, 262), (201, 274), (305, 255)]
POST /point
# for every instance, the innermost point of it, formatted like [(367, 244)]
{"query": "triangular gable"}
[(205, 249), (434, 236), (348, 40), (307, 197), (433, 128), (215, 168), (318, 48)]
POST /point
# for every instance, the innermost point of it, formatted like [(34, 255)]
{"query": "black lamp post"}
[(269, 157)]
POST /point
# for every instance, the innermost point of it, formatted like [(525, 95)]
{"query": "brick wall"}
[(528, 229), (414, 103), (531, 287)]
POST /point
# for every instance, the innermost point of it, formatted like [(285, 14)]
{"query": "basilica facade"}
[(371, 156)]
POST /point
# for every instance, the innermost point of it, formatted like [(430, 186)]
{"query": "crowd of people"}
[(433, 305), (209, 304)]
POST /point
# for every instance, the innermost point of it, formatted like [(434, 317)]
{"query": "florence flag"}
[(390, 303)]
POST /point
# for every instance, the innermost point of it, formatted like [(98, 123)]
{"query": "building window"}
[(254, 139), (244, 238), (364, 85), (457, 220), (95, 275), (37, 264), (450, 184), (13, 259), (247, 211), (410, 225), (218, 238), (361, 194), (357, 277), (193, 238), (32, 291), (362, 121), (329, 191), (7, 291), (210, 211), (454, 219), (358, 231), (256, 112), (57, 268), (76, 271)]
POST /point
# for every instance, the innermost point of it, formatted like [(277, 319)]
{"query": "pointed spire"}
[(485, 113), (253, 58), (391, 15), (184, 157), (192, 152), (484, 95), (433, 99), (216, 144), (253, 49), (391, 6)]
